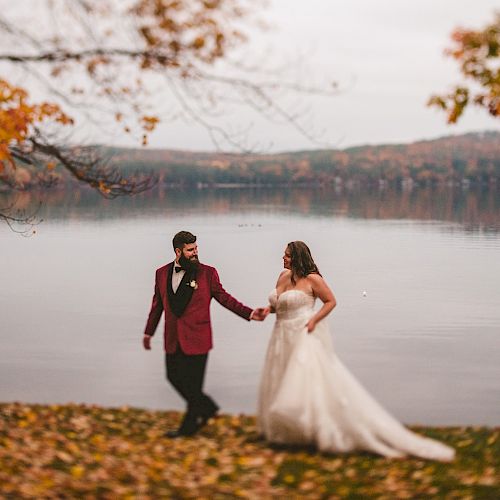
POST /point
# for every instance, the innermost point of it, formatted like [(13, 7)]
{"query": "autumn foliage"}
[(94, 58), (477, 53), (77, 451), (470, 158), (19, 120)]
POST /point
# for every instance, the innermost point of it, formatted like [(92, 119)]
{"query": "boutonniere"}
[(193, 284)]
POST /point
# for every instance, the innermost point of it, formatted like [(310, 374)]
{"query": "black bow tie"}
[(178, 269)]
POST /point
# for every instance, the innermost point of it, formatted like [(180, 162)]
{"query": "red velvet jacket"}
[(192, 330)]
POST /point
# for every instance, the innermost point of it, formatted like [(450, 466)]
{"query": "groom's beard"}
[(189, 264)]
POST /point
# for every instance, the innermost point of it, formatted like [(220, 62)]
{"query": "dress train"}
[(307, 395)]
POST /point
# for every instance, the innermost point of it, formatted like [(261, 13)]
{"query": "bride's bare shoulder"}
[(284, 276), (320, 287), (315, 279), (316, 282)]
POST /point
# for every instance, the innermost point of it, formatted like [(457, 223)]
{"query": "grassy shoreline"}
[(83, 451)]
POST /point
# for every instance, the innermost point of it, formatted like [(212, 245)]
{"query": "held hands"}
[(260, 313)]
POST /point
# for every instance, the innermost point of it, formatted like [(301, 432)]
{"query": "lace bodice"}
[(291, 304)]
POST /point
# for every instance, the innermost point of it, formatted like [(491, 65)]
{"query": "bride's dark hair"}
[(302, 262)]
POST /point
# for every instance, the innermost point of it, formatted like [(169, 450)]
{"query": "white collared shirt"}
[(177, 277)]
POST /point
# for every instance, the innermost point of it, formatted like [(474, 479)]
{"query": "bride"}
[(307, 396)]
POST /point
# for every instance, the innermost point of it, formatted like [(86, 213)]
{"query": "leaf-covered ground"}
[(77, 451)]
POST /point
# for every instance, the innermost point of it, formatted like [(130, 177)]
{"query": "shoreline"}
[(404, 185)]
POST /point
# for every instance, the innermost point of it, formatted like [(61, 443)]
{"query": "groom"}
[(183, 290)]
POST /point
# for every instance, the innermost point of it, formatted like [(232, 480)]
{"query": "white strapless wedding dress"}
[(307, 396)]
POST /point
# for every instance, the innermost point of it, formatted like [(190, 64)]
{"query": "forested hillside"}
[(470, 158)]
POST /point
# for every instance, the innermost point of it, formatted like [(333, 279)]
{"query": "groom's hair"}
[(183, 238)]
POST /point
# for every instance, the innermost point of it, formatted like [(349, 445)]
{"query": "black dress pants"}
[(186, 372)]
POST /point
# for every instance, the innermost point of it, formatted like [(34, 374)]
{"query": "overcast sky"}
[(387, 56)]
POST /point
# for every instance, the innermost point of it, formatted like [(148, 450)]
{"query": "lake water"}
[(425, 340)]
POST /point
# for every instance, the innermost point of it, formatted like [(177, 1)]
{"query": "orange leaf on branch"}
[(18, 119), (477, 52), (149, 123)]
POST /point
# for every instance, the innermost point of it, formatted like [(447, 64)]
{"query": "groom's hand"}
[(146, 342), (259, 314)]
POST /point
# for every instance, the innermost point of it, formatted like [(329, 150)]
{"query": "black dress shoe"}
[(203, 419), (177, 434)]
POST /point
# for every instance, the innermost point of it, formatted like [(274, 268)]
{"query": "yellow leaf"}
[(77, 471), (97, 439), (492, 438)]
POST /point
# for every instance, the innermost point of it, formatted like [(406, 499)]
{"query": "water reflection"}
[(424, 340), (472, 210)]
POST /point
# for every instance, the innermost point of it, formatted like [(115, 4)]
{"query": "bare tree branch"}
[(162, 57), (19, 220), (87, 165)]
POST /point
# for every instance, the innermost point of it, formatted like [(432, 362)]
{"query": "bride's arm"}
[(323, 292)]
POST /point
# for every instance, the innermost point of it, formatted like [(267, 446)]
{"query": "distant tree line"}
[(473, 158), (470, 158)]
